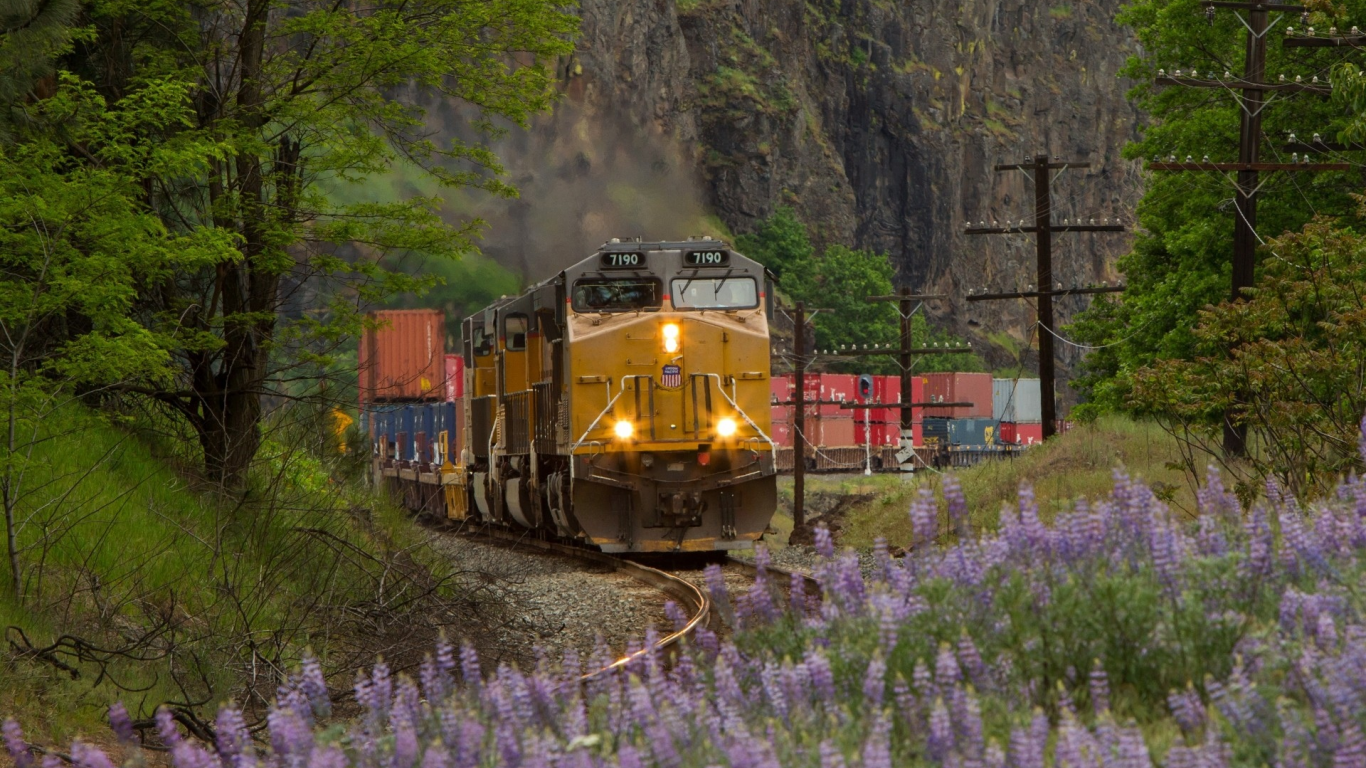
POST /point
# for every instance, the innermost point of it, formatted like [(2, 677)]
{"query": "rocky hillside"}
[(878, 121)]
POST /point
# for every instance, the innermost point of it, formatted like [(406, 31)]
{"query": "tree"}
[(1289, 362), (77, 245), (1182, 255), (293, 94), (780, 243), (839, 281)]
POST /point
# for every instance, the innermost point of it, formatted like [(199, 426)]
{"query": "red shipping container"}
[(878, 435), (840, 387), (974, 388), (402, 360), (455, 378), (831, 432), (1029, 434), (780, 388), (1006, 433), (917, 434), (781, 434)]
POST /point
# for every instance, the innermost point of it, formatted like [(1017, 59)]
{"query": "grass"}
[(1078, 464), (118, 542)]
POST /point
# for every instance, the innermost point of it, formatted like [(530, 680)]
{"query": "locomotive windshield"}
[(617, 294), (715, 293)]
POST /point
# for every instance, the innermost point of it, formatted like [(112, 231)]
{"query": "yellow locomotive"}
[(623, 403)]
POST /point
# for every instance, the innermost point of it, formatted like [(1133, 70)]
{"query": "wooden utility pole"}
[(1249, 166), (799, 420), (1043, 229)]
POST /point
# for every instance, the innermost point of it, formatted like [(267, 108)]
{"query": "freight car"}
[(623, 403)]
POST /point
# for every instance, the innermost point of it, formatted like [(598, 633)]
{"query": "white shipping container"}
[(1016, 400)]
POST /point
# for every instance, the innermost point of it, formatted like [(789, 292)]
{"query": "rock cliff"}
[(878, 121)]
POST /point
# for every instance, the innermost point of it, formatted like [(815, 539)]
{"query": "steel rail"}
[(689, 596), (809, 583)]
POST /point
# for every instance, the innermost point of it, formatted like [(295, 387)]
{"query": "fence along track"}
[(691, 598)]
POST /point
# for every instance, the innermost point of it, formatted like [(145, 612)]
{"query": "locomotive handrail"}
[(720, 386), (611, 401)]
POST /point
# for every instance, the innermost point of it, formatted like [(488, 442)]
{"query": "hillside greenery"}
[(838, 282)]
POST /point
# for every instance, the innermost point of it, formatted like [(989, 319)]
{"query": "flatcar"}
[(622, 403)]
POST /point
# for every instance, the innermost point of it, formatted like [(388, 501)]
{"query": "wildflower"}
[(16, 746)]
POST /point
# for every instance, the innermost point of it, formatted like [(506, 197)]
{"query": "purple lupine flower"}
[(720, 597), (946, 671), (957, 505), (1210, 538), (330, 756), (188, 754), (406, 746), (233, 740), (924, 518), (86, 756), (677, 617), (469, 668), (882, 559), (877, 751), (289, 733), (1100, 689), (436, 756), (166, 730), (1187, 708), (121, 723), (874, 684), (822, 677), (1213, 501), (1258, 562), (995, 757), (1024, 750), (798, 601), (940, 742), (314, 685), (830, 755), (971, 659), (1351, 751), (824, 542), (970, 734), (1133, 753), (15, 744)]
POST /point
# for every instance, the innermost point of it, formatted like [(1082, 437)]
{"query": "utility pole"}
[(1043, 230), (799, 420), (1249, 166)]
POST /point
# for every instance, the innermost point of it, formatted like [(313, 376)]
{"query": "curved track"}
[(689, 596)]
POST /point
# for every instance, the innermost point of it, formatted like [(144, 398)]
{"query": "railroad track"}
[(684, 584)]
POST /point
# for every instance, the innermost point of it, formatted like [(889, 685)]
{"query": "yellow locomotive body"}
[(624, 403)]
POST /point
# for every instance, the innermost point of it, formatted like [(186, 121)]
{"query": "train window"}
[(514, 332), (715, 293), (617, 294), (483, 342)]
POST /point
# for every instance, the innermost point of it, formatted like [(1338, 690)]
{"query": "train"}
[(622, 404)]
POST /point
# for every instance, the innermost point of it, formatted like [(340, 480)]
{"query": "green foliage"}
[(245, 170), (1288, 362), (1181, 259), (839, 281)]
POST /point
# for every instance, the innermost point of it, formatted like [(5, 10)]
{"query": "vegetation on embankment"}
[(1078, 464), (139, 586)]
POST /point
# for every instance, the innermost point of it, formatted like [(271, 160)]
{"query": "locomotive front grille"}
[(482, 414), (517, 422)]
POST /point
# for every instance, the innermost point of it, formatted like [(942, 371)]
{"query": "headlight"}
[(671, 338), (624, 429), (725, 427)]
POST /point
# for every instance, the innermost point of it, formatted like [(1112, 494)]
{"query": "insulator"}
[(1228, 75), (1309, 31), (1282, 78), (1316, 79), (1205, 159), (1209, 14), (1333, 31), (1171, 158), (1189, 158), (1292, 137), (1289, 31), (1294, 157), (1161, 73), (1317, 139), (1299, 79), (1178, 73), (1304, 18), (1093, 221), (1355, 31)]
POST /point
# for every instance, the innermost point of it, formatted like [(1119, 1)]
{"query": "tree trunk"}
[(231, 431)]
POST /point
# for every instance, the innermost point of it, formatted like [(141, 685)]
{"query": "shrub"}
[(1118, 637)]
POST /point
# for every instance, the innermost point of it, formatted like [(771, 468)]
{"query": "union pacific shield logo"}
[(672, 376)]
